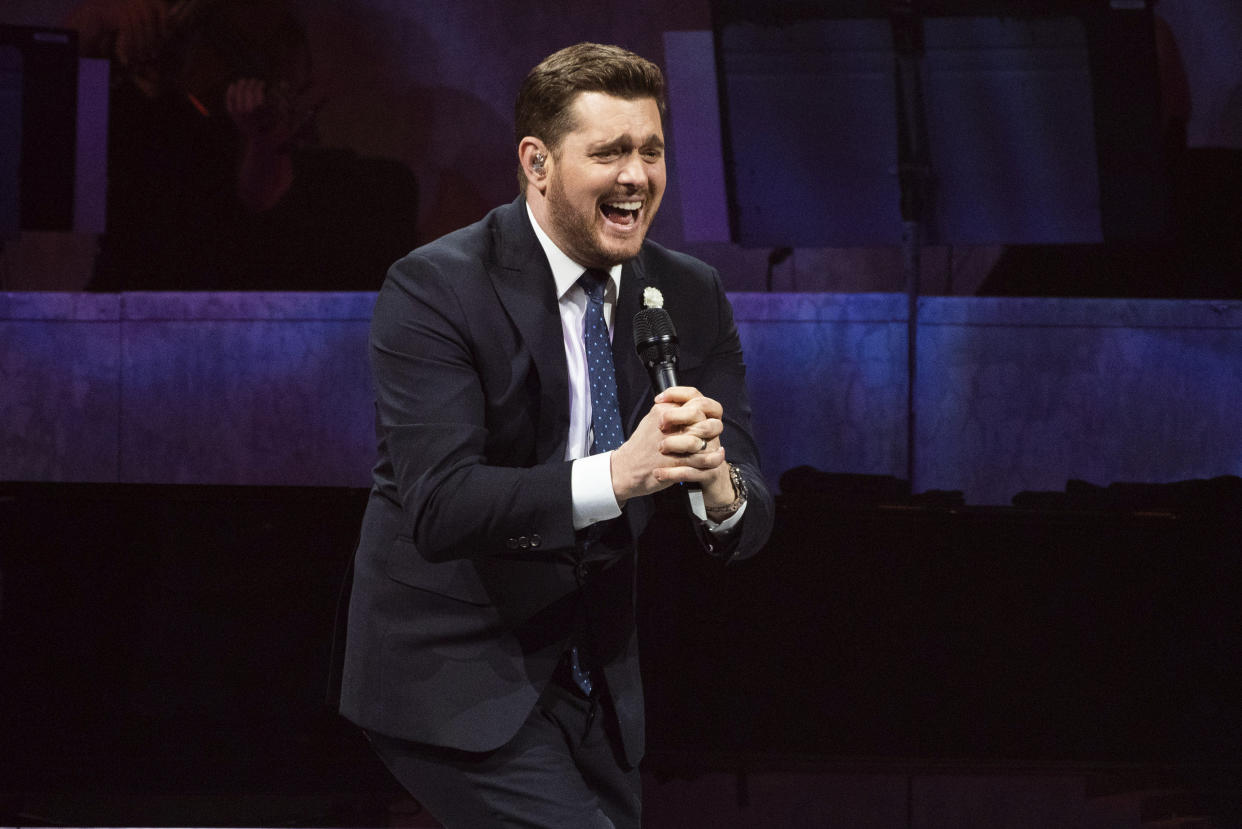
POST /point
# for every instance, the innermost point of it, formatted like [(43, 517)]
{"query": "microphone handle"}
[(664, 376)]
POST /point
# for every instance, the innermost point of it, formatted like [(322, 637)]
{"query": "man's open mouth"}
[(621, 212)]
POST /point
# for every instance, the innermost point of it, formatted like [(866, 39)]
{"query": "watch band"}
[(739, 495)]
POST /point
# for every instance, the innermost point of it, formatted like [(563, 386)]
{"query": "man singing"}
[(491, 654)]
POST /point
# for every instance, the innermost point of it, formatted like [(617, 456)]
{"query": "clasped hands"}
[(677, 441)]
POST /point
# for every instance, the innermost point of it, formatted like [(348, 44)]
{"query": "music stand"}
[(857, 123)]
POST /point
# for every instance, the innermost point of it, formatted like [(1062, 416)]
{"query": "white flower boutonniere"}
[(652, 298)]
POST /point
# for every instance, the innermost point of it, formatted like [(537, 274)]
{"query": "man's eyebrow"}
[(625, 142), (614, 143)]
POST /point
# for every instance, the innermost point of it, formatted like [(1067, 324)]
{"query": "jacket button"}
[(581, 571), (511, 543), (523, 542), (535, 540)]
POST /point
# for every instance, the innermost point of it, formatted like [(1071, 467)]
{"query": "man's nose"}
[(633, 171)]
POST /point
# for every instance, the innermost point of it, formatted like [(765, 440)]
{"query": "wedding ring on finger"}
[(703, 446)]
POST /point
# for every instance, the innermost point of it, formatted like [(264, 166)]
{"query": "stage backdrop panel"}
[(1012, 394), (60, 391)]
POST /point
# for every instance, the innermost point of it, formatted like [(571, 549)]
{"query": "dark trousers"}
[(563, 768)]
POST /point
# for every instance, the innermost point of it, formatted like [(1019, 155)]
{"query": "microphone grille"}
[(653, 324)]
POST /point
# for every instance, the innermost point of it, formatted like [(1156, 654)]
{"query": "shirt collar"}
[(566, 271)]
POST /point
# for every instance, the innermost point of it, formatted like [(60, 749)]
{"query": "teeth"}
[(625, 205)]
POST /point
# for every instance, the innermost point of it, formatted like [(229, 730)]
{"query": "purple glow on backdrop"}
[(91, 180), (691, 68)]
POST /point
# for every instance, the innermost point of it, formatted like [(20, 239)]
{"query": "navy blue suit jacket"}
[(469, 577)]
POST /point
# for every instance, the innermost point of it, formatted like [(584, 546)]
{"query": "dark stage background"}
[(429, 87), (175, 642)]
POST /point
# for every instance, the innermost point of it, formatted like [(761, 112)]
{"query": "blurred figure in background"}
[(215, 179)]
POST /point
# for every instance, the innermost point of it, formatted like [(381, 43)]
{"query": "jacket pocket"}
[(458, 579)]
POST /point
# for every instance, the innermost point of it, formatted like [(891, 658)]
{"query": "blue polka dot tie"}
[(605, 413)]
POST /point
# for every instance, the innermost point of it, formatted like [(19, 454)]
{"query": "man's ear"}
[(535, 159)]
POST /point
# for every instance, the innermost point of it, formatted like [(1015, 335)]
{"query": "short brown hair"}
[(544, 101)]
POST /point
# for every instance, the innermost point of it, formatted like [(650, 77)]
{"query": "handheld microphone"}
[(655, 337)]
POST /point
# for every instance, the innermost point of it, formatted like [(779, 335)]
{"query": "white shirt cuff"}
[(591, 490), (700, 510)]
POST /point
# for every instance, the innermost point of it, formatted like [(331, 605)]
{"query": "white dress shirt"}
[(591, 477)]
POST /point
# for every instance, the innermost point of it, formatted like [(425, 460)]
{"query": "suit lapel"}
[(524, 283), (633, 385)]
